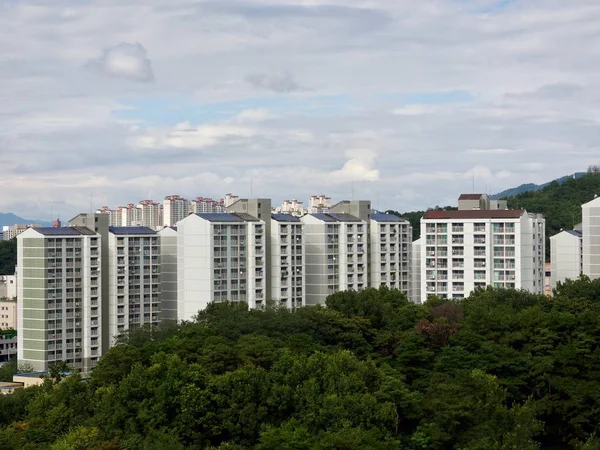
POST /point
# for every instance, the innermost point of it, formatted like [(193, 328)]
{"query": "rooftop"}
[(285, 218), (121, 231), (475, 214), (575, 233), (335, 217), (382, 217), (65, 231), (227, 217), (470, 196)]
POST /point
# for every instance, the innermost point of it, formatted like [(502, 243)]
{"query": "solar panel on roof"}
[(247, 217), (342, 217), (285, 218), (381, 217), (220, 217), (324, 217), (131, 230), (64, 231)]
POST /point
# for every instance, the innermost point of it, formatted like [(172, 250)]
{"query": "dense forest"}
[(499, 370), (8, 257)]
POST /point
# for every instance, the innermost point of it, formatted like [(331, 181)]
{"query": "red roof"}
[(475, 214), (470, 196)]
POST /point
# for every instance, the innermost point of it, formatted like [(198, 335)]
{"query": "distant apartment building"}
[(287, 261), (473, 248), (481, 202), (319, 204), (8, 313), (220, 257), (13, 231), (8, 286), (336, 255), (590, 228), (229, 200), (8, 345), (548, 279), (566, 256), (415, 272), (293, 207), (59, 292), (168, 272), (131, 216), (390, 249), (206, 205), (133, 277), (175, 208), (151, 214)]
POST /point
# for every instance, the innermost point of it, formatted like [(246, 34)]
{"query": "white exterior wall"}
[(8, 286), (390, 251), (503, 253), (133, 282), (219, 261), (336, 257), (168, 272), (416, 271), (566, 257), (8, 314), (175, 209), (590, 227), (58, 313), (287, 264)]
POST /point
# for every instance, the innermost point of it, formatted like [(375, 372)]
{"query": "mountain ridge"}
[(10, 219)]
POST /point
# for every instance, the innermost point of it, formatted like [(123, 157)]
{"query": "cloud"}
[(278, 83), (358, 168), (129, 61)]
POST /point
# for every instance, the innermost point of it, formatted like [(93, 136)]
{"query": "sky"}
[(405, 103)]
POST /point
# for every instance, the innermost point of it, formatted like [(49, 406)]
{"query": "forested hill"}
[(500, 370), (560, 203)]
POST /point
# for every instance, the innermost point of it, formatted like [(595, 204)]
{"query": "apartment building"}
[(415, 272), (175, 208), (12, 232), (168, 272), (206, 205), (287, 261), (481, 202), (590, 213), (8, 286), (336, 255), (151, 214), (467, 249), (220, 257), (293, 207), (390, 249), (133, 277), (59, 292), (8, 345), (566, 256), (8, 313), (318, 204)]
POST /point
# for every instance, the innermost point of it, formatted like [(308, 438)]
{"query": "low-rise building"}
[(566, 256)]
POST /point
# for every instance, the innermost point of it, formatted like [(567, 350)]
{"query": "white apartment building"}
[(319, 204), (131, 216), (336, 255), (415, 271), (287, 261), (293, 207), (114, 215), (206, 205), (220, 257), (168, 272), (590, 227), (390, 248), (175, 208), (133, 279), (151, 214), (12, 232), (8, 286), (8, 313), (59, 292), (467, 249), (565, 256)]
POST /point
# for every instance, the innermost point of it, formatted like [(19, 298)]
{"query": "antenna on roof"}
[(473, 182), (251, 185), (352, 189)]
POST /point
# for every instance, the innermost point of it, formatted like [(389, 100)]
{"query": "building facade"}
[(175, 208), (8, 313), (590, 227), (220, 257), (287, 261), (168, 272), (468, 249), (8, 286), (415, 271), (566, 256), (59, 292)]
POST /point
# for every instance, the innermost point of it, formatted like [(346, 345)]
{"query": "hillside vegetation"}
[(8, 257), (498, 370)]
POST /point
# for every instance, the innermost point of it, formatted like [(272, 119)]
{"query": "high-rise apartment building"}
[(12, 232), (390, 249), (220, 257), (287, 261), (467, 249), (206, 205), (151, 214), (293, 207), (175, 208), (566, 256), (336, 255), (319, 204), (131, 216), (168, 272), (590, 227), (133, 279), (415, 272), (59, 291)]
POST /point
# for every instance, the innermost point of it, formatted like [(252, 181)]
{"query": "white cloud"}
[(358, 168), (129, 61)]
